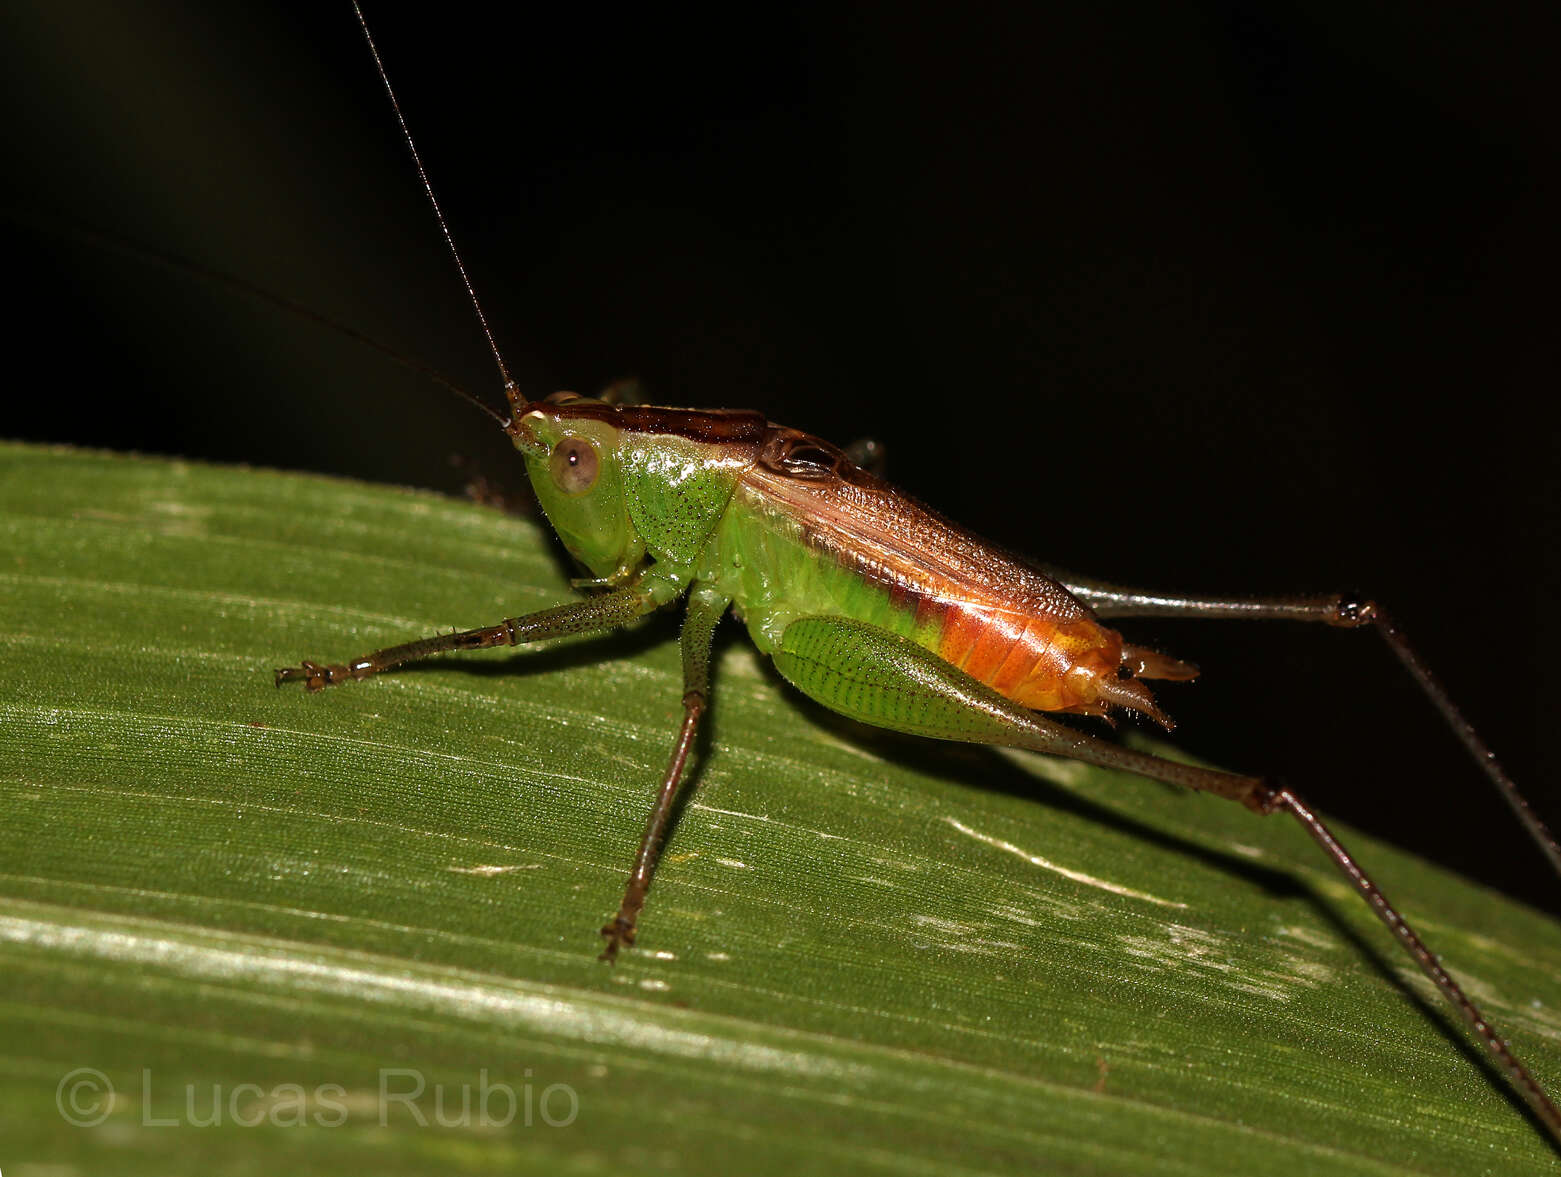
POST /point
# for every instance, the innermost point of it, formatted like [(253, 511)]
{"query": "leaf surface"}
[(358, 928)]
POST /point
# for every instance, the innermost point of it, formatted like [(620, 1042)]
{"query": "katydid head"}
[(573, 463)]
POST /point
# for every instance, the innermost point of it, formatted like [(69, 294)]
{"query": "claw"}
[(315, 676), (619, 933)]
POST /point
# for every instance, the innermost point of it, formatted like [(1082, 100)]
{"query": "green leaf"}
[(862, 954)]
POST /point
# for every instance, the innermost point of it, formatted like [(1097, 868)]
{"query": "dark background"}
[(1219, 297)]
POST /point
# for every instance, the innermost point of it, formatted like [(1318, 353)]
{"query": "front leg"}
[(604, 612)]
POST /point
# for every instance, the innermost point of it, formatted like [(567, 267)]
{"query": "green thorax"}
[(767, 561)]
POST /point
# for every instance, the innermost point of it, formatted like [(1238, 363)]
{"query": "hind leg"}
[(883, 679)]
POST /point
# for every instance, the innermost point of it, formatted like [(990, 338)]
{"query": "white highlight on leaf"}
[(492, 870), (961, 937), (1311, 937), (763, 817), (363, 977), (1076, 876), (1216, 958)]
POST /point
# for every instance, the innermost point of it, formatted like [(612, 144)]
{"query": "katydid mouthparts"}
[(877, 608)]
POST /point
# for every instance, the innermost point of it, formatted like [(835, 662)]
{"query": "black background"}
[(1219, 297)]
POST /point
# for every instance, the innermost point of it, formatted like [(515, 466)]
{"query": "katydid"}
[(875, 607)]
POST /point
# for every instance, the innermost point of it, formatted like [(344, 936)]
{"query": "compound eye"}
[(574, 465)]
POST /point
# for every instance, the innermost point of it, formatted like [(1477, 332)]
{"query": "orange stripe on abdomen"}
[(1035, 661)]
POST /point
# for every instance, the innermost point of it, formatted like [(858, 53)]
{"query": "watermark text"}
[(399, 1097)]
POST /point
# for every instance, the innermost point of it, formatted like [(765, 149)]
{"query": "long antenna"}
[(511, 392), (185, 268)]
